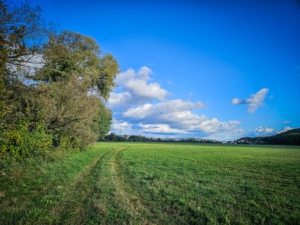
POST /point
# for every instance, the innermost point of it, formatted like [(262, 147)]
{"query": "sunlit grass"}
[(217, 184), (142, 183)]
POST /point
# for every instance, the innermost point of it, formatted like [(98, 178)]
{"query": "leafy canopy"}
[(52, 85)]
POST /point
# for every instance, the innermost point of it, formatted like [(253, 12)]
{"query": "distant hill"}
[(290, 137)]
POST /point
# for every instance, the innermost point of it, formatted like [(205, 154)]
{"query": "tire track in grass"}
[(71, 206), (130, 199), (125, 197), (93, 198), (100, 195), (101, 207), (110, 203)]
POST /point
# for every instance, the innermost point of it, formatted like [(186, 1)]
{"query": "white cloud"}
[(133, 101), (145, 71), (121, 126), (140, 112), (177, 114), (120, 99), (136, 89), (262, 131), (160, 128), (237, 101), (179, 107), (227, 136), (254, 101)]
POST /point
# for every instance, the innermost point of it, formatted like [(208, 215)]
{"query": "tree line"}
[(53, 85), (290, 137), (139, 138)]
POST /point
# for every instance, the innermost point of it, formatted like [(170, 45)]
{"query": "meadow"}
[(157, 183)]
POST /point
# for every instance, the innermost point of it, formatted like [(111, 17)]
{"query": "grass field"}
[(147, 183)]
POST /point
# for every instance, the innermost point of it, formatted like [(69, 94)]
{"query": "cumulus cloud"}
[(178, 116), (163, 108), (254, 101), (263, 131), (116, 99), (160, 128), (237, 101), (136, 88), (121, 126), (227, 136), (140, 102)]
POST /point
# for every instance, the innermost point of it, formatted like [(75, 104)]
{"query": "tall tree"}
[(22, 32), (70, 54), (76, 74), (52, 85)]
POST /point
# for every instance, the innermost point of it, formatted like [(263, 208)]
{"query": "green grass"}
[(148, 183)]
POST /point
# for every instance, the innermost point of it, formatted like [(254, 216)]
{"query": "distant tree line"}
[(138, 138), (53, 85), (291, 137)]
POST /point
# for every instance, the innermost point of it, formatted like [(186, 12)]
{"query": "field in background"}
[(148, 183)]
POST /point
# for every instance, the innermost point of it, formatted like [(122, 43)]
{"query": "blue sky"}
[(205, 69)]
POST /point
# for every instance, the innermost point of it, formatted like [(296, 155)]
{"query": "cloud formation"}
[(160, 128), (121, 126), (136, 88), (254, 101), (176, 115), (141, 102), (263, 131), (163, 108)]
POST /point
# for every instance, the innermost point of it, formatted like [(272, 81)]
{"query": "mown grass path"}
[(96, 194), (99, 196)]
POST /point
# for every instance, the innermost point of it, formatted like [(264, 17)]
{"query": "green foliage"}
[(104, 121), (21, 143), (2, 102), (52, 86), (22, 31), (68, 55), (73, 69), (37, 186)]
